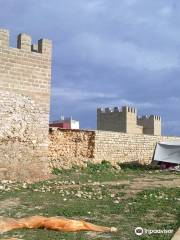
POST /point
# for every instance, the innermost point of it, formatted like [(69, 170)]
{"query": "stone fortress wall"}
[(27, 149), (126, 120), (25, 80), (78, 147)]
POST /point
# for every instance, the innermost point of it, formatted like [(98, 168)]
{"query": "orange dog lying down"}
[(52, 223), (11, 239)]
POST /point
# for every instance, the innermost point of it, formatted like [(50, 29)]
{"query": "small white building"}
[(72, 123)]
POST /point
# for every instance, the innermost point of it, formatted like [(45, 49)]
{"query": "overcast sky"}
[(106, 53)]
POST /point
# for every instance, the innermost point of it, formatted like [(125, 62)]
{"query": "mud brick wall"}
[(25, 77), (69, 148), (77, 147)]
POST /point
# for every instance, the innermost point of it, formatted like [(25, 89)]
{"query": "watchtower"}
[(129, 116), (126, 121), (115, 119), (25, 80), (151, 124), (110, 119)]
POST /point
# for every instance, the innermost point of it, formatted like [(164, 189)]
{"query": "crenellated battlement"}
[(151, 124), (117, 109), (24, 43), (155, 117), (4, 38), (108, 110), (125, 119), (151, 117), (129, 109)]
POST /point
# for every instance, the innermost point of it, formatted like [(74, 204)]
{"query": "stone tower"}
[(126, 120), (25, 80), (151, 125)]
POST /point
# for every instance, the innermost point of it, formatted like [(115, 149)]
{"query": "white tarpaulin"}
[(168, 152)]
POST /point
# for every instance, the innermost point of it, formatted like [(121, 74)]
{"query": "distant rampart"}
[(126, 120)]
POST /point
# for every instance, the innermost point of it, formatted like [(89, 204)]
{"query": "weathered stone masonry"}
[(121, 147), (25, 75), (77, 147), (69, 148)]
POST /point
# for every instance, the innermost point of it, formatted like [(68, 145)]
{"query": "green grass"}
[(75, 193), (93, 172), (106, 172)]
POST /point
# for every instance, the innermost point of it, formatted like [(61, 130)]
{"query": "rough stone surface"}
[(21, 139), (20, 118), (68, 148), (72, 147)]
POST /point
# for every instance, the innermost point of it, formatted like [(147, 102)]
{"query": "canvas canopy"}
[(168, 152)]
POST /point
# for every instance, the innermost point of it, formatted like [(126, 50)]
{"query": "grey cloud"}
[(106, 53), (123, 54), (72, 94)]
